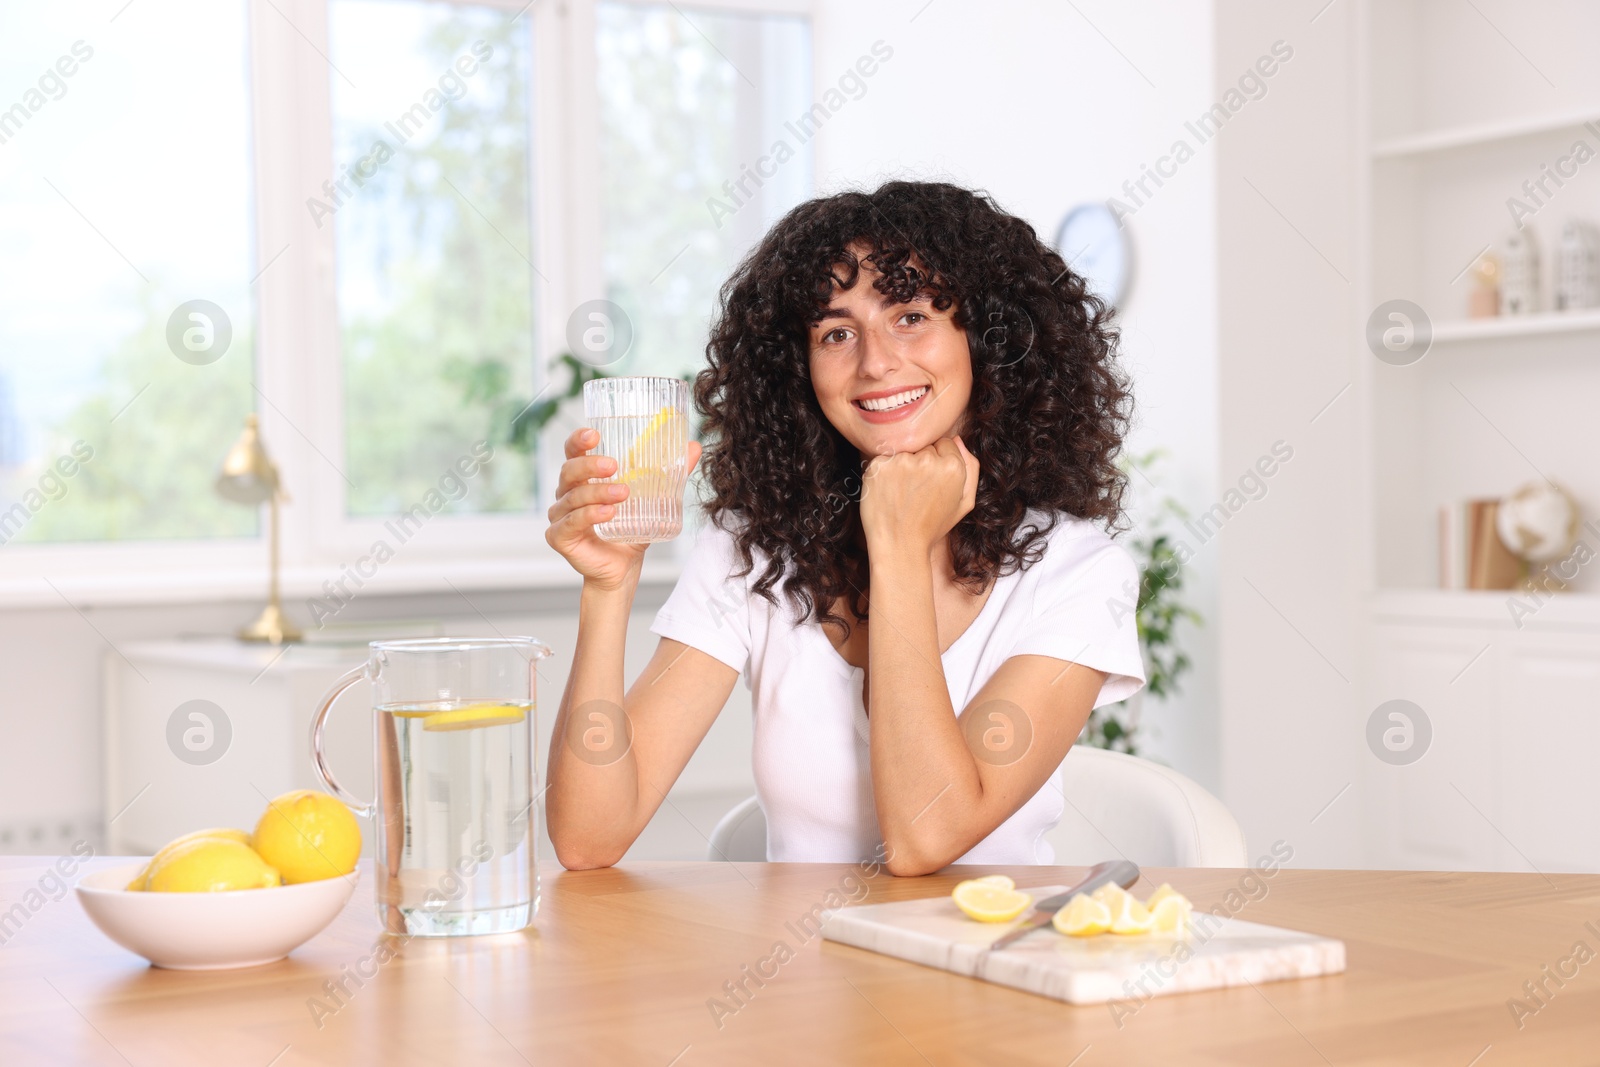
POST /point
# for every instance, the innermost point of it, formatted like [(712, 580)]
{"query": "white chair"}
[(1118, 807)]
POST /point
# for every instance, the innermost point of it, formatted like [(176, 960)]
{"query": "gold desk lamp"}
[(250, 477)]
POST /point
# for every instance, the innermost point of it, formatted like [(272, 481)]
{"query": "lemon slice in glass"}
[(1084, 916), (990, 903), (475, 716), (646, 483), (662, 439)]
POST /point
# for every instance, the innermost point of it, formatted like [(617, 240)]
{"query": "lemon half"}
[(997, 879), (989, 903), (223, 833), (211, 865)]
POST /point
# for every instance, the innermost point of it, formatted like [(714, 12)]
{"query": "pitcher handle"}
[(319, 758)]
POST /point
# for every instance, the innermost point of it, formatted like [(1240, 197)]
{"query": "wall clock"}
[(1096, 247)]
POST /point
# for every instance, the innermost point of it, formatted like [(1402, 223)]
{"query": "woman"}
[(914, 412)]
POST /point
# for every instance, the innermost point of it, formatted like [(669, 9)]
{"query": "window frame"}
[(298, 372)]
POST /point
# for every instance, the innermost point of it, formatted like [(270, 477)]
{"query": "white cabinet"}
[(1420, 816), (1547, 743), (1508, 781), (203, 733)]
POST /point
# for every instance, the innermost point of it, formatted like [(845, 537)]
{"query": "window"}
[(125, 194), (369, 222), (692, 104), (435, 276)]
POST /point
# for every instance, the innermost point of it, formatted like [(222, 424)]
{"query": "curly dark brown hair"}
[(1046, 418)]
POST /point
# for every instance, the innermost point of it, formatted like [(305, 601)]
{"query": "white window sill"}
[(199, 586)]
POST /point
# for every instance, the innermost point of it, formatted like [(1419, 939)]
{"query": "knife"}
[(1121, 872)]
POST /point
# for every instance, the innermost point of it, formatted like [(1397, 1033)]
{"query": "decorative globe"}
[(1538, 522)]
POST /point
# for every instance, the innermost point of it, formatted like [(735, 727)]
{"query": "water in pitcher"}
[(456, 857)]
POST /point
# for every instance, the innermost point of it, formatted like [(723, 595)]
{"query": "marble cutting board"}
[(1217, 951)]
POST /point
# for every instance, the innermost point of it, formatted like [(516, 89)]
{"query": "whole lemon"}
[(308, 836), (210, 865), (224, 833)]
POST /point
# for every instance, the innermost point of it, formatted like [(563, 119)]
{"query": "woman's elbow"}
[(915, 860), (574, 856)]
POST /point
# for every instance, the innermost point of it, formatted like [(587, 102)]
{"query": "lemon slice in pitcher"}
[(662, 438), (475, 716)]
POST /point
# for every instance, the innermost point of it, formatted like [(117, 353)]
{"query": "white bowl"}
[(209, 931)]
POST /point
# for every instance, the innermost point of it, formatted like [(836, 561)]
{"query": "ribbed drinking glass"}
[(643, 423)]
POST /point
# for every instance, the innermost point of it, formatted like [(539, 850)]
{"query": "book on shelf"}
[(1471, 554)]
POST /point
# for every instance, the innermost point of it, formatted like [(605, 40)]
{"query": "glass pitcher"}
[(454, 737)]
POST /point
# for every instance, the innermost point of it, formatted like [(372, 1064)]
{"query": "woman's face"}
[(891, 377)]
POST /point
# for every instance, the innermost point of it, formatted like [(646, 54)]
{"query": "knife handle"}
[(1121, 872)]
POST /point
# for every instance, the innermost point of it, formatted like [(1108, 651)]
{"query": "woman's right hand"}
[(581, 504)]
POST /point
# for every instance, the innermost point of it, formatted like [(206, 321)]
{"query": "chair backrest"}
[(1120, 806), (1117, 806), (741, 835)]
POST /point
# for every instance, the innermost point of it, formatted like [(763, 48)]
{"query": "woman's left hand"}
[(916, 498)]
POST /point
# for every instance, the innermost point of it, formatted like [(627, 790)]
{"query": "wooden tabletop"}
[(622, 963)]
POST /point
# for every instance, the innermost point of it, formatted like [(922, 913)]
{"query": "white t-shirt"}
[(810, 755)]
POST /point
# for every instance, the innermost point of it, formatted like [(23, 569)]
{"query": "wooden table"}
[(622, 964)]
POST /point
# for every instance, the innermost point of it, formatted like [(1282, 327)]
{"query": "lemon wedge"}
[(1128, 915), (1084, 916), (990, 903), (1163, 891), (474, 716), (662, 440), (1170, 915)]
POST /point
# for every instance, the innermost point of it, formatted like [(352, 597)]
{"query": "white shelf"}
[(1485, 608), (1446, 140), (1518, 325)]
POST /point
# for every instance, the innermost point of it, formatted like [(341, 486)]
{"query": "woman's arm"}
[(613, 756), (941, 784)]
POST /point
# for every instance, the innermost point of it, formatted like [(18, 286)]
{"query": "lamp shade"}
[(248, 475)]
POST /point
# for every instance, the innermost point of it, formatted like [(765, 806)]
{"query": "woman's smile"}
[(892, 405)]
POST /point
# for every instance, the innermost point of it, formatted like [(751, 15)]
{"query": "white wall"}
[(1045, 106), (1291, 579)]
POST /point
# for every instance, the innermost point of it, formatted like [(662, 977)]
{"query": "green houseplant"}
[(517, 422), (1158, 612)]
